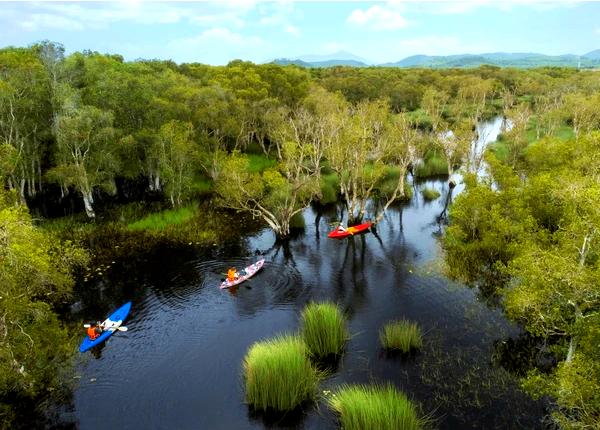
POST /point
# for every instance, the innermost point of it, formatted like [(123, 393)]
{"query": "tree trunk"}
[(88, 202)]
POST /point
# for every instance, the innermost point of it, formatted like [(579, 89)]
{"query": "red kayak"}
[(341, 233)]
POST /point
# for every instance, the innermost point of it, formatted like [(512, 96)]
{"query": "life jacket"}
[(231, 274), (91, 332)]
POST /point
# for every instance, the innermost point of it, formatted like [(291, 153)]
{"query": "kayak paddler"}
[(94, 330), (232, 274), (341, 228)]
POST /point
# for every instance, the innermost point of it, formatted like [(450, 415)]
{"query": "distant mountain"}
[(594, 55), (337, 56), (328, 63), (501, 59)]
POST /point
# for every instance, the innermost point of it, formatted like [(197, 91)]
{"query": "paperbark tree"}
[(85, 141)]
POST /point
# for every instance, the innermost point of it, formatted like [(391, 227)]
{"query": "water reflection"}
[(179, 365)]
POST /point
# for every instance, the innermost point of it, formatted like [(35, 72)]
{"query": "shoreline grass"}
[(434, 164), (430, 194), (374, 407), (163, 219), (401, 335), (324, 329), (278, 374)]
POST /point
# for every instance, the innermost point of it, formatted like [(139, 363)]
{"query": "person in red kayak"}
[(341, 228), (94, 330)]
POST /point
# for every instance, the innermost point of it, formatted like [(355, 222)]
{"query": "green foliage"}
[(161, 220), (430, 194), (434, 164), (373, 407), (401, 335), (540, 239), (278, 374), (324, 329), (258, 163), (35, 274), (330, 186)]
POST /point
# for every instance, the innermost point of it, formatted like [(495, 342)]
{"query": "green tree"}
[(176, 155), (85, 160), (35, 274)]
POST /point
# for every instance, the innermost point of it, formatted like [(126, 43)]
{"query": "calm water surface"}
[(179, 365)]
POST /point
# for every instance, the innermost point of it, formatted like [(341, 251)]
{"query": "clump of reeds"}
[(278, 374), (374, 407), (324, 329), (401, 336), (430, 194)]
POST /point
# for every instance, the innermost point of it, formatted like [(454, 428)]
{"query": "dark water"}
[(179, 365)]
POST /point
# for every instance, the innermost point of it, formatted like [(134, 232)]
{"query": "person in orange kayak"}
[(232, 274), (94, 330)]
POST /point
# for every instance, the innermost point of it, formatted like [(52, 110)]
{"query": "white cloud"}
[(278, 14), (378, 18), (429, 45), (332, 47), (38, 21), (221, 43), (451, 7), (80, 16), (292, 29)]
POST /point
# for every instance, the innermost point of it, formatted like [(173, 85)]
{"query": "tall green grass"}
[(278, 374), (330, 185), (163, 219), (401, 335), (434, 164), (324, 329), (430, 194), (373, 407)]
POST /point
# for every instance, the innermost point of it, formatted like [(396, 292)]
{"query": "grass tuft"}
[(434, 164), (324, 329), (163, 219), (330, 185), (401, 335), (430, 194), (374, 407), (279, 375)]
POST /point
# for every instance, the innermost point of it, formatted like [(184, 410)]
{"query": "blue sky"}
[(217, 32)]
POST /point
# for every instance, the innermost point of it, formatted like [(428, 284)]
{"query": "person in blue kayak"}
[(94, 330)]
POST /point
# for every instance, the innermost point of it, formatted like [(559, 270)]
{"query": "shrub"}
[(330, 184), (401, 335), (382, 408), (430, 194), (434, 164), (324, 329), (278, 374)]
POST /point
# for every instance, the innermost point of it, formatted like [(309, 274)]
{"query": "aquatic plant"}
[(430, 194), (330, 184), (401, 335), (163, 219), (374, 407), (324, 329), (278, 374), (434, 164)]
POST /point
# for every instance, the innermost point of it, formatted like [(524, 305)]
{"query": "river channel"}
[(179, 365)]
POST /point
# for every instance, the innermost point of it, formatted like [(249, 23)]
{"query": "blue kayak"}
[(111, 323)]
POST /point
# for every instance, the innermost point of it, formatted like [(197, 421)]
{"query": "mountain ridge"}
[(501, 59)]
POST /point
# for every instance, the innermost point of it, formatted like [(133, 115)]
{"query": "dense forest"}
[(82, 132)]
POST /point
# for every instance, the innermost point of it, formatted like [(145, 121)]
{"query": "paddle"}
[(120, 328)]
